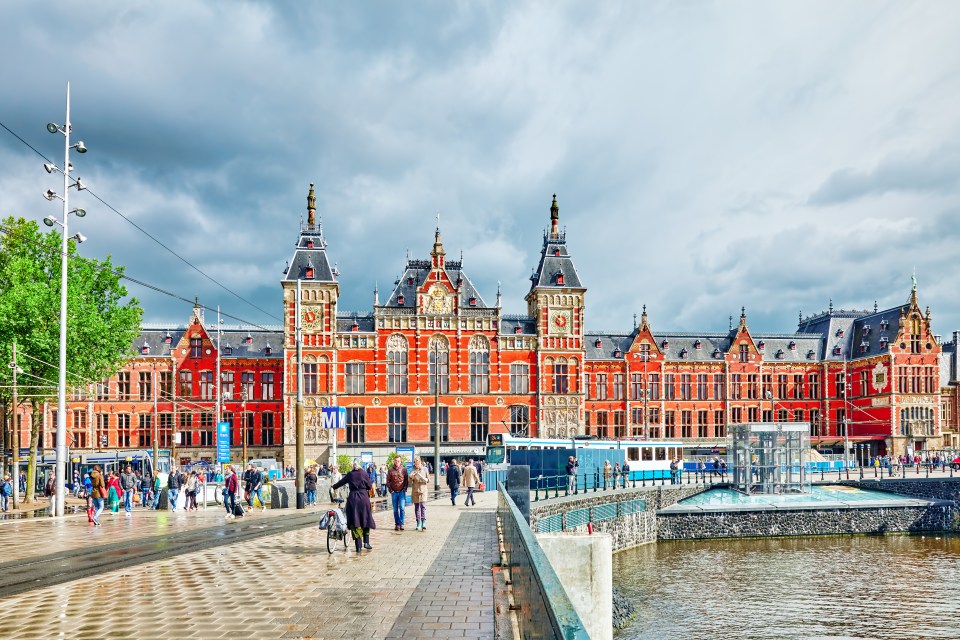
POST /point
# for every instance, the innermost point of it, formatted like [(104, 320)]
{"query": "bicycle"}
[(334, 534)]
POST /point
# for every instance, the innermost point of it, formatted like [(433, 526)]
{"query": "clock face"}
[(560, 321), (311, 316)]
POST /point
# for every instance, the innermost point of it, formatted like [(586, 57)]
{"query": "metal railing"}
[(545, 487), (574, 518), (542, 606)]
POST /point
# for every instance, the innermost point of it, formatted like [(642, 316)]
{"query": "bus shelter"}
[(768, 457)]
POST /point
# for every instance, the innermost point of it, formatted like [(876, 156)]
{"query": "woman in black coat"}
[(358, 510)]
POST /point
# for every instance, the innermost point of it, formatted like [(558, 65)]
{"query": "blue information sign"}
[(334, 418), (223, 442)]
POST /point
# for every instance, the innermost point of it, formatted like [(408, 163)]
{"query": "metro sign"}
[(334, 418)]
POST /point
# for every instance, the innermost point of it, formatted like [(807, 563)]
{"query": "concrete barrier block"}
[(584, 565)]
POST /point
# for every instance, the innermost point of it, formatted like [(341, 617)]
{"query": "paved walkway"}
[(433, 584)]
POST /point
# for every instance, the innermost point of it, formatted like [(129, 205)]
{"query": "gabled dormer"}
[(743, 349), (644, 346)]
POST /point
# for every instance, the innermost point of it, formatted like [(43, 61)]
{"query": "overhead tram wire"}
[(160, 290), (149, 235)]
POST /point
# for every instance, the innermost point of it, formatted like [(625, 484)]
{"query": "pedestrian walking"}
[(397, 482), (419, 480), (76, 483), (571, 473), (50, 489), (173, 488), (607, 473), (616, 474), (128, 484), (98, 491), (146, 488), (256, 487), (453, 480), (471, 480), (382, 475), (6, 490), (114, 492), (190, 490), (358, 509), (372, 472), (310, 485), (231, 486)]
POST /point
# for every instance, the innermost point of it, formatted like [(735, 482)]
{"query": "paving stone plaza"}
[(267, 575)]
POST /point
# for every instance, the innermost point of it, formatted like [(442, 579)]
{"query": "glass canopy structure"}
[(770, 457)]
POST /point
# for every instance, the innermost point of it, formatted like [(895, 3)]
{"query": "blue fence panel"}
[(577, 518), (550, 524), (632, 506), (603, 512)]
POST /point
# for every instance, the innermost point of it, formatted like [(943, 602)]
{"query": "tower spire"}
[(554, 218), (311, 207)]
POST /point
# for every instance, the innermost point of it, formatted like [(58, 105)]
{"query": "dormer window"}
[(559, 278), (664, 344), (683, 353), (883, 342), (409, 280), (145, 349), (267, 350), (761, 345), (556, 253), (779, 354), (716, 353), (697, 344), (836, 351), (228, 350), (517, 330), (617, 353), (792, 346), (866, 329), (308, 272), (839, 333), (597, 343), (884, 325), (400, 299), (810, 354), (309, 244), (168, 339), (864, 346), (473, 302), (248, 339), (355, 326)]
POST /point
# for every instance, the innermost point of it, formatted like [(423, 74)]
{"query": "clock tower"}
[(556, 302), (310, 273)]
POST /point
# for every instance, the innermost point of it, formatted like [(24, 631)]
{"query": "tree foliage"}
[(102, 322)]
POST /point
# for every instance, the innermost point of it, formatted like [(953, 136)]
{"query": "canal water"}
[(824, 587)]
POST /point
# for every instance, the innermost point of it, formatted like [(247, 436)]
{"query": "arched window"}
[(479, 365), (396, 364), (439, 364)]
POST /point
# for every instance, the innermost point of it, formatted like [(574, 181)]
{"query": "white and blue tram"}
[(647, 458)]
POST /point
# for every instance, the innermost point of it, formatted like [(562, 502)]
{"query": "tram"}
[(647, 458), (138, 459)]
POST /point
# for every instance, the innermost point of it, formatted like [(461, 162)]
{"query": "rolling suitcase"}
[(238, 510)]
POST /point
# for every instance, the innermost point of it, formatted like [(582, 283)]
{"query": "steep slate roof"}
[(555, 259), (509, 324), (417, 271), (682, 345), (311, 250), (950, 361), (884, 324), (827, 325), (235, 337), (365, 322)]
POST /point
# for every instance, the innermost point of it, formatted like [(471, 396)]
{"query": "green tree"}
[(102, 322), (344, 463)]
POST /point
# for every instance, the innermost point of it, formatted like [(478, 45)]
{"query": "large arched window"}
[(479, 365), (439, 364), (396, 364)]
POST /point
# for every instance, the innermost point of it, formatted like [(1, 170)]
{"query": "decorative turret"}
[(311, 207), (554, 218)]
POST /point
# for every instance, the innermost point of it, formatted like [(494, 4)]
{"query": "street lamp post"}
[(61, 436), (645, 355), (436, 415), (15, 432)]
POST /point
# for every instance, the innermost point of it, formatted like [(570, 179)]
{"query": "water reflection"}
[(831, 587)]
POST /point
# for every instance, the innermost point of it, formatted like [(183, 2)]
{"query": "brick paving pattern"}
[(283, 585)]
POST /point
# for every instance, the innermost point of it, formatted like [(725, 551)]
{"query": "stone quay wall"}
[(626, 531), (919, 487), (805, 522)]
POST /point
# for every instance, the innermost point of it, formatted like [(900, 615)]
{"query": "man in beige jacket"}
[(470, 480)]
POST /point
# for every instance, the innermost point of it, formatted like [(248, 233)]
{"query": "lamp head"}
[(79, 185), (80, 238), (50, 195), (79, 212), (52, 128), (50, 167), (81, 148), (49, 221)]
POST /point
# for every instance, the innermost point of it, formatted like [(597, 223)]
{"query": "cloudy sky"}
[(705, 155)]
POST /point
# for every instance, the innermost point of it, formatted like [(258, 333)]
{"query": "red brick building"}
[(875, 379)]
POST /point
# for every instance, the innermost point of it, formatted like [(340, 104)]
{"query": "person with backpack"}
[(173, 487), (453, 480), (231, 486), (6, 490), (256, 487), (98, 490), (310, 485)]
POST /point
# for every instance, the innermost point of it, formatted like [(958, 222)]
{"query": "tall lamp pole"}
[(61, 438), (299, 449), (436, 415), (15, 439)]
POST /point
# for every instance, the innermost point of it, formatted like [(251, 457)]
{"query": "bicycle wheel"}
[(331, 540)]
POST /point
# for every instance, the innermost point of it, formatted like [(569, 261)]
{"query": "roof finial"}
[(800, 317), (830, 308), (913, 288), (498, 294), (376, 294), (875, 306), (634, 321), (731, 322), (311, 207), (438, 220), (554, 218)]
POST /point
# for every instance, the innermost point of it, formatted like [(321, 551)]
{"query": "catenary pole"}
[(301, 501)]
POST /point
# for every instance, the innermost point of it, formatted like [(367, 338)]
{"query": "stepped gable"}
[(310, 260)]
